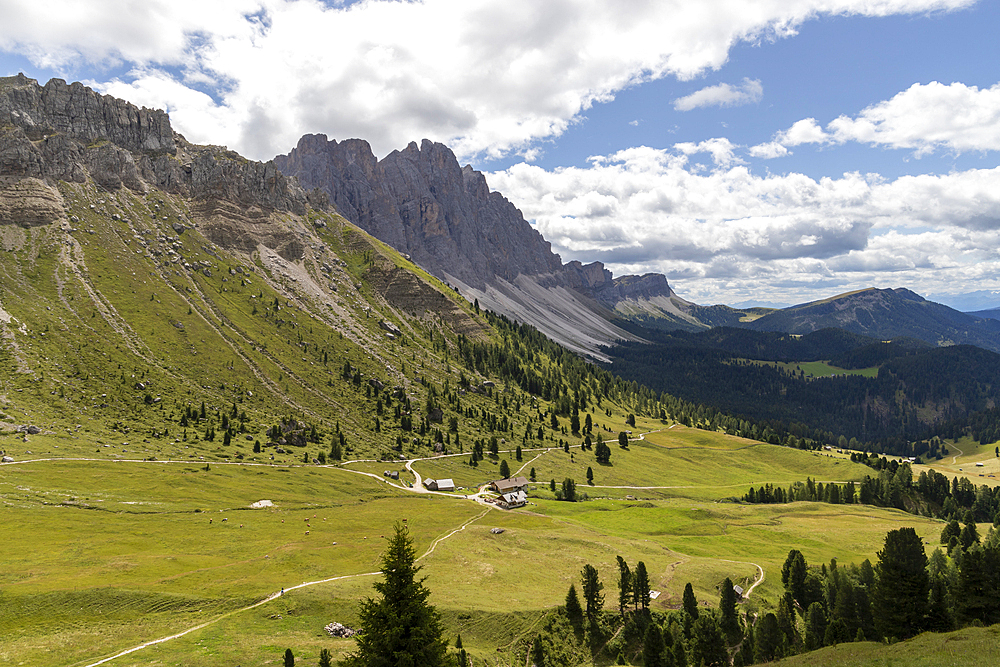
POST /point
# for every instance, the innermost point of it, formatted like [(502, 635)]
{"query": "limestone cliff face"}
[(420, 201), (68, 132), (77, 111)]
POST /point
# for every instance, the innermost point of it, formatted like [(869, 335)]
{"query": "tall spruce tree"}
[(729, 619), (624, 585), (400, 628), (902, 585), (640, 586), (690, 602), (573, 609), (767, 639), (592, 587), (793, 576), (708, 646), (815, 626)]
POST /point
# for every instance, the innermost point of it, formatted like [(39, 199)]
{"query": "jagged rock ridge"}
[(420, 201), (68, 132)]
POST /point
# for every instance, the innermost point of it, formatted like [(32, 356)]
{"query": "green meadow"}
[(112, 554), (820, 369)]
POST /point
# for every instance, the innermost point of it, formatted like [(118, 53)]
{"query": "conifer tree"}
[(640, 586), (289, 658), (592, 587), (729, 620), (767, 639), (624, 585), (399, 628), (573, 609), (708, 646), (690, 603), (815, 626), (538, 652), (652, 647), (902, 585)]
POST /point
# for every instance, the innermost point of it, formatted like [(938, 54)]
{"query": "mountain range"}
[(420, 201), (444, 216)]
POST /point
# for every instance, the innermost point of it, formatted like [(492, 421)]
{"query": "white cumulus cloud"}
[(923, 118), (485, 76), (750, 91), (728, 233)]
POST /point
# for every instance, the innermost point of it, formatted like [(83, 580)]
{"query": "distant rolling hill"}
[(885, 314), (993, 314)]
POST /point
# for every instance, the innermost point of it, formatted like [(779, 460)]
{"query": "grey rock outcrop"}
[(68, 132), (420, 201), (77, 111)]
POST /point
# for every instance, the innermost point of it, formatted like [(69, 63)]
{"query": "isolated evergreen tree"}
[(504, 469), (640, 586), (623, 439), (590, 475), (902, 585), (624, 585), (690, 603), (573, 609), (729, 619), (400, 628), (592, 587), (289, 658), (325, 658), (569, 490)]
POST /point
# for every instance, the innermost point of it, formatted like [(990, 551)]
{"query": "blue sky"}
[(751, 150), (838, 65)]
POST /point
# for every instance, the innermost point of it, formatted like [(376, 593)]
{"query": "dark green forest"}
[(920, 391)]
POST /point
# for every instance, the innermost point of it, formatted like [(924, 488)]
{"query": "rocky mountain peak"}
[(68, 132), (79, 112), (420, 201)]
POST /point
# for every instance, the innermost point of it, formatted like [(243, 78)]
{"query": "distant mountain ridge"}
[(885, 314)]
